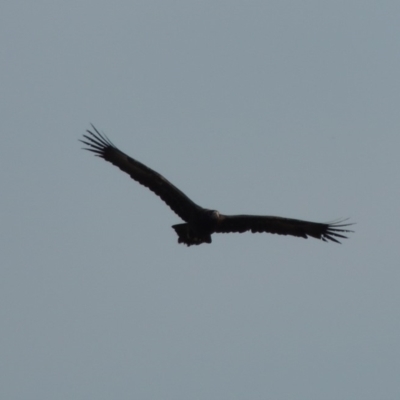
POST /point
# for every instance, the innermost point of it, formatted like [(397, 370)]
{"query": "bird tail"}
[(187, 236)]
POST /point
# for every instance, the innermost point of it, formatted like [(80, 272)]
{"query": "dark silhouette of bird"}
[(201, 223)]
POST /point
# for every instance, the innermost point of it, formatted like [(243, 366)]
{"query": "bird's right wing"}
[(170, 194), (283, 226)]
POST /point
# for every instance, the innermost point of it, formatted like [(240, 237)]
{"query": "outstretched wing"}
[(171, 195), (282, 226)]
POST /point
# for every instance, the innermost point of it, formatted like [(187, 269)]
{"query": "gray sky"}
[(279, 108)]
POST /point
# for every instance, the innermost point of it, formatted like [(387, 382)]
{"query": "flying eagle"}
[(201, 223)]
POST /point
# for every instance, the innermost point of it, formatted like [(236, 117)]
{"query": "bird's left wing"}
[(170, 194), (283, 226)]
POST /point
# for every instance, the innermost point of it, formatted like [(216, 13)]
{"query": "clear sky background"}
[(287, 108)]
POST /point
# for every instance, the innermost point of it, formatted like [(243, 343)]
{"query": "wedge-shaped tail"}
[(187, 236)]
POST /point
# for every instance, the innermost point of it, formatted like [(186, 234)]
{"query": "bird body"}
[(201, 223)]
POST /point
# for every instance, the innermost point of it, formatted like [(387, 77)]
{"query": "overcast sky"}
[(287, 108)]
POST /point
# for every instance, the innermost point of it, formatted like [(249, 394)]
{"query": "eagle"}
[(200, 223)]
